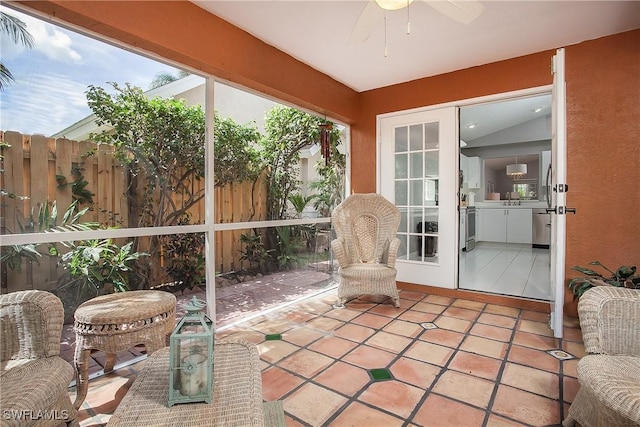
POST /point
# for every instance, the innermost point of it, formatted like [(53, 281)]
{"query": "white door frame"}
[(540, 90), (558, 193)]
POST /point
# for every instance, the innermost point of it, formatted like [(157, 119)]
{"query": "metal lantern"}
[(191, 357)]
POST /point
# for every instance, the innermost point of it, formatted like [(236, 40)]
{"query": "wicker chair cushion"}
[(615, 380), (26, 388), (368, 271)]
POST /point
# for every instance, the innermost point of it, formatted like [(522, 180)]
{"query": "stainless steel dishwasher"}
[(541, 228)]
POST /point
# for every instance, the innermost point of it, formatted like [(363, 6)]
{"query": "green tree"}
[(162, 79), (161, 142), (16, 29), (288, 131)]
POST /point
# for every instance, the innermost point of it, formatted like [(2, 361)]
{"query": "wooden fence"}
[(40, 169)]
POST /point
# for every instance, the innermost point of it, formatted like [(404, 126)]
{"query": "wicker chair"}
[(366, 246), (33, 377), (609, 375)]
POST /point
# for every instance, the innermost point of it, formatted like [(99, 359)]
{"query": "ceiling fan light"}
[(393, 4), (517, 170)]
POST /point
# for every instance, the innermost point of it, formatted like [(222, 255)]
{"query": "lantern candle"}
[(193, 375)]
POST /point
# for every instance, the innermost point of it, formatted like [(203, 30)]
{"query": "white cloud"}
[(49, 40), (52, 42), (45, 105)]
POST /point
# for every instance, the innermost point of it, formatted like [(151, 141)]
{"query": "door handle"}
[(561, 210)]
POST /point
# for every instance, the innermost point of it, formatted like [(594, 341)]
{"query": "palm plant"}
[(17, 31)]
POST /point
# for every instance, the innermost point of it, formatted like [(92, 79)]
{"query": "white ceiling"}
[(318, 32)]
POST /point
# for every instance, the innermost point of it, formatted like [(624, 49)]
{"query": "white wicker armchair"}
[(609, 375), (366, 246), (33, 377)]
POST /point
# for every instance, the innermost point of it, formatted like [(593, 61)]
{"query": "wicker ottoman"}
[(118, 322), (237, 393)]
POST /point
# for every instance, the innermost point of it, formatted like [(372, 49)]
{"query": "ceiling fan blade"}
[(369, 17), (463, 11)]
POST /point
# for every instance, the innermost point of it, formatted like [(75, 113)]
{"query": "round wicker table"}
[(118, 322)]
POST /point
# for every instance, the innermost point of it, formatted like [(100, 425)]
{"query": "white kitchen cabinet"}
[(464, 167), (505, 225), (474, 168)]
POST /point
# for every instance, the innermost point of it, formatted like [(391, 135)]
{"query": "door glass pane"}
[(402, 228), (415, 138), (431, 165), (416, 165), (415, 220), (417, 195), (401, 139), (432, 135), (401, 166), (402, 250), (402, 196)]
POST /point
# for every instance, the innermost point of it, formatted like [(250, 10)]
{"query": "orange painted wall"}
[(603, 98)]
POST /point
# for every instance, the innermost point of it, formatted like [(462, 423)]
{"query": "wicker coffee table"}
[(117, 322), (237, 392)]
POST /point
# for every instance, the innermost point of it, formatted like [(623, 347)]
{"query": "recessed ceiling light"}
[(471, 125), (538, 109)]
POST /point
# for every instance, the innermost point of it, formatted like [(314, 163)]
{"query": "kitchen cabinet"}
[(474, 167), (464, 167), (505, 225)]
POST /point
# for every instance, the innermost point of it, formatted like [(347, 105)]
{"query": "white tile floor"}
[(507, 269)]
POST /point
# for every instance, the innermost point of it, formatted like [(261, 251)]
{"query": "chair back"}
[(366, 223)]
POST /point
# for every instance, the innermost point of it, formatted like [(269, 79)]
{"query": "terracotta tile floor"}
[(450, 362)]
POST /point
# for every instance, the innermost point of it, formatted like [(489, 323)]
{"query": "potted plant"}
[(624, 276)]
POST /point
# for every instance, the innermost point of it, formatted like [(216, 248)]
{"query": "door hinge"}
[(561, 188)]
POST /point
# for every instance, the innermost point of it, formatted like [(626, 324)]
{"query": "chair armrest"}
[(337, 245), (610, 320), (392, 254), (36, 319)]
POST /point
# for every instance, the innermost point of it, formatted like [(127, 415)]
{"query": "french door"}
[(417, 171)]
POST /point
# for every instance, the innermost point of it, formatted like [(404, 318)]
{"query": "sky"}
[(48, 94)]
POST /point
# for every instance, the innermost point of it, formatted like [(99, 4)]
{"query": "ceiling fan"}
[(463, 11)]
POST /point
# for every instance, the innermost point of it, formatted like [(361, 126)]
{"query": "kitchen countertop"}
[(500, 204)]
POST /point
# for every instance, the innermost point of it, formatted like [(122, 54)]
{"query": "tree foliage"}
[(162, 144), (161, 141), (288, 131)]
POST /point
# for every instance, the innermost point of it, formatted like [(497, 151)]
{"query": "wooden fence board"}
[(30, 168), (63, 153)]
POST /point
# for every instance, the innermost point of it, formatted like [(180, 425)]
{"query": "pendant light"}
[(517, 170)]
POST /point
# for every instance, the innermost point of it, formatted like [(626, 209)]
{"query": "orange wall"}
[(603, 98)]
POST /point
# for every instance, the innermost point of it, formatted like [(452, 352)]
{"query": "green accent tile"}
[(273, 337), (380, 374)]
